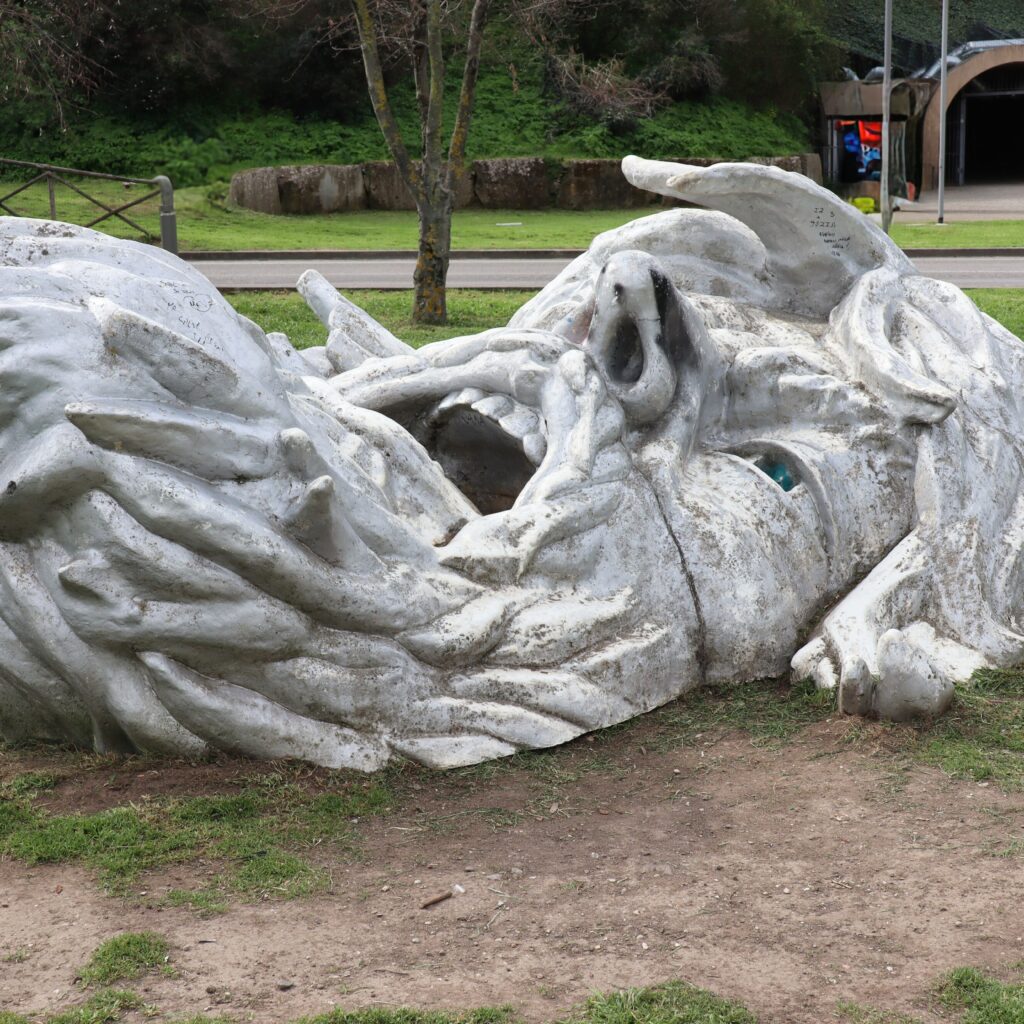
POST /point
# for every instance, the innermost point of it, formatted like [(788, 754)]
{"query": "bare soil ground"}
[(787, 877)]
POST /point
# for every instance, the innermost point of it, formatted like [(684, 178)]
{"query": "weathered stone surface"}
[(330, 188), (596, 185), (722, 442), (385, 189), (784, 163), (810, 166), (696, 161), (310, 189), (513, 183), (256, 189)]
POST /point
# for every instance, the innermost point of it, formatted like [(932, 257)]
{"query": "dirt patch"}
[(87, 784), (104, 787), (787, 878)]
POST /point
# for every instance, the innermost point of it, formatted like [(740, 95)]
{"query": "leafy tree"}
[(778, 52), (765, 52)]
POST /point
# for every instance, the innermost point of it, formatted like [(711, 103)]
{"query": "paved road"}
[(967, 272), (975, 271), (380, 273)]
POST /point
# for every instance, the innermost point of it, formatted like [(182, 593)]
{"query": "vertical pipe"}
[(53, 197), (942, 111), (961, 153), (168, 218), (886, 199)]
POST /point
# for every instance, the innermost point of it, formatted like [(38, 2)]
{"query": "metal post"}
[(168, 218), (942, 111), (885, 198), (53, 198)]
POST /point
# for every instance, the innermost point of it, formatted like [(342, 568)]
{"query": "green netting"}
[(857, 25)]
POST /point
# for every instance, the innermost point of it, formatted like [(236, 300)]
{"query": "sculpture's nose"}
[(639, 336)]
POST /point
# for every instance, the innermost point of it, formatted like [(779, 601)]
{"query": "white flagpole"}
[(942, 111), (886, 199)]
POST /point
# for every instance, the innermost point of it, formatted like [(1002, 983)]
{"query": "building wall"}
[(958, 77)]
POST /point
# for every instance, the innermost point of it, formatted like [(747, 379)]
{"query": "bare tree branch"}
[(467, 94), (435, 108), (379, 97), (602, 89), (420, 69)]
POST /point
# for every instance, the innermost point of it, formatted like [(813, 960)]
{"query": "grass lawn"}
[(470, 311), (206, 223), (1003, 304), (253, 833), (965, 995), (977, 234), (124, 957)]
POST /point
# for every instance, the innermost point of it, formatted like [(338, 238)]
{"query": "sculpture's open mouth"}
[(488, 445), (625, 353)]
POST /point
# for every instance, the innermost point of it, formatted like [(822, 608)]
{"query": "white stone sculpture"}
[(724, 441)]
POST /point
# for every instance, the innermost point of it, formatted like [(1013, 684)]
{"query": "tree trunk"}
[(433, 182), (429, 302)]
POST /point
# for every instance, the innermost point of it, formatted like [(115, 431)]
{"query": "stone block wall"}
[(597, 184), (512, 183), (317, 188), (321, 189), (385, 189), (256, 189)]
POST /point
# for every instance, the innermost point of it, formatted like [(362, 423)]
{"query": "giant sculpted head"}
[(726, 442)]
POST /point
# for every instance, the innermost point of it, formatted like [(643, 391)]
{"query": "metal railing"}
[(53, 176)]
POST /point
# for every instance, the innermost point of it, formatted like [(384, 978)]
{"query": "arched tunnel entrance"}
[(985, 128)]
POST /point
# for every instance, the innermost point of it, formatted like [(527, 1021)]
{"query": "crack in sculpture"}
[(725, 441)]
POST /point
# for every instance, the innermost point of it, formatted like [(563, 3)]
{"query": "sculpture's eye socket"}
[(781, 472)]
